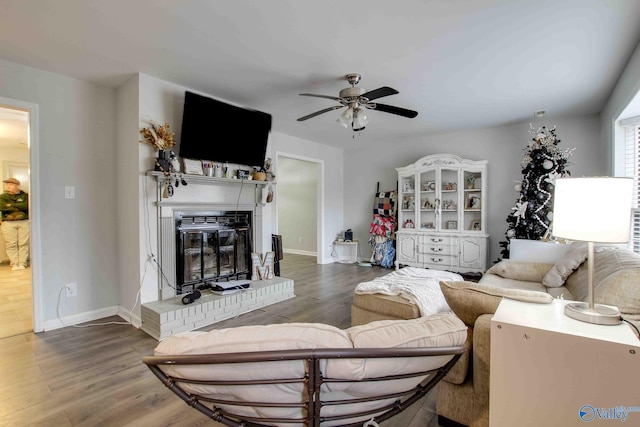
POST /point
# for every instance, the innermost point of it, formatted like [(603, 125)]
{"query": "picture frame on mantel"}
[(193, 167)]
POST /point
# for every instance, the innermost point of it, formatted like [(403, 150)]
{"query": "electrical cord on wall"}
[(633, 326), (75, 325), (152, 256)]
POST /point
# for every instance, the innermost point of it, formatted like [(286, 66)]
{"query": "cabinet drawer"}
[(438, 240), (438, 261), (436, 249)]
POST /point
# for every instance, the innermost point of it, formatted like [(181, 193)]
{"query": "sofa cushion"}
[(387, 306), (469, 300), (616, 280), (520, 270), (501, 282), (287, 336), (438, 330), (572, 259)]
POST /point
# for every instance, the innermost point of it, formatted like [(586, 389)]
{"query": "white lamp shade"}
[(594, 209)]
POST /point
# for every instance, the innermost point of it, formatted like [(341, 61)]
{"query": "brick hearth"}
[(161, 319)]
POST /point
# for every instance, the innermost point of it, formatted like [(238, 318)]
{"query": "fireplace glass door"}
[(210, 255)]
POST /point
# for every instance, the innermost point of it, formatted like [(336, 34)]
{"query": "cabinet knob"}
[(436, 259), (436, 240), (436, 249)]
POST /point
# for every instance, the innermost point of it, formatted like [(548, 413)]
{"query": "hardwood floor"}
[(94, 376), (16, 307)]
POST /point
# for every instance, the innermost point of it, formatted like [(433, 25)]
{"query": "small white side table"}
[(347, 251), (550, 370)]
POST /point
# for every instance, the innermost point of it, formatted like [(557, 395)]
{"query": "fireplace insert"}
[(211, 246)]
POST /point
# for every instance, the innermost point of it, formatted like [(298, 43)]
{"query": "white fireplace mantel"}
[(210, 180), (224, 195)]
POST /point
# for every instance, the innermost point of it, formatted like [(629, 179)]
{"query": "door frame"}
[(34, 204), (319, 201)]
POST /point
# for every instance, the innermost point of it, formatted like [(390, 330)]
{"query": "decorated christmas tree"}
[(542, 162)]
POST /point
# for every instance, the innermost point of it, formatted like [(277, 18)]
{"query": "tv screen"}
[(220, 132)]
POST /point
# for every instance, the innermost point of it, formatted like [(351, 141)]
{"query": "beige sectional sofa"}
[(463, 396)]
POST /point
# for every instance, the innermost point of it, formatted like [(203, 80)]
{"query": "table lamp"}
[(593, 209)]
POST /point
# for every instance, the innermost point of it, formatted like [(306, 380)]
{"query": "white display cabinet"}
[(442, 214)]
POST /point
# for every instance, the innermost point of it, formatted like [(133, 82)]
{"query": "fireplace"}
[(211, 246)]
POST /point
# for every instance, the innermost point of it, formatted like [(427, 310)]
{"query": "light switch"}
[(69, 192)]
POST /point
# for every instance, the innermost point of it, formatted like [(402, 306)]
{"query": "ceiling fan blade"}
[(395, 110), (335, 98), (379, 93), (317, 113)]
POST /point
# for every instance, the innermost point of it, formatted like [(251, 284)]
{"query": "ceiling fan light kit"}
[(357, 100)]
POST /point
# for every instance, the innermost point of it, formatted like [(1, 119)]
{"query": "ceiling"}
[(460, 63)]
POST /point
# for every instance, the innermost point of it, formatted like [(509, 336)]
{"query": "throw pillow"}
[(520, 270), (562, 269), (470, 300)]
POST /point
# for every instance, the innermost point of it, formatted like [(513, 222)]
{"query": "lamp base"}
[(599, 314)]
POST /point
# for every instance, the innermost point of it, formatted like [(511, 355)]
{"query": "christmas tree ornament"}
[(547, 164)]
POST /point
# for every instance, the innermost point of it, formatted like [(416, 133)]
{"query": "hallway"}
[(16, 312)]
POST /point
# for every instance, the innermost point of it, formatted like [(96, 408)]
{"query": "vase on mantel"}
[(162, 163)]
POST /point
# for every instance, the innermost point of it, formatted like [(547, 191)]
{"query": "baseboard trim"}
[(135, 320), (87, 316), (299, 252)]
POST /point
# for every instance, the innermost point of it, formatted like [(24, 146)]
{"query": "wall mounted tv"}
[(220, 132)]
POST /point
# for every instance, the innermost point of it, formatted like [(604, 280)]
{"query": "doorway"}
[(16, 286), (299, 219)]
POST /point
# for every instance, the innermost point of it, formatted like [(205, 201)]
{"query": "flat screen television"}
[(220, 132)]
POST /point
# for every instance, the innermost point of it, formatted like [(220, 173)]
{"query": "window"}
[(631, 129)]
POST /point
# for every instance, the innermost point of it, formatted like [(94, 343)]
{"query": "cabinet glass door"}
[(408, 202), (449, 201), (473, 199), (428, 200)]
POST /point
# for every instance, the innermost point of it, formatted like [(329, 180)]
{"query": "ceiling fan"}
[(358, 100)]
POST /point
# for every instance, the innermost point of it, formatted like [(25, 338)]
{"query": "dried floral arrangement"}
[(160, 137)]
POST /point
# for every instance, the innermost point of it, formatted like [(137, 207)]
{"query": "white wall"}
[(75, 148), (501, 146), (297, 204), (331, 193), (627, 86), (129, 183)]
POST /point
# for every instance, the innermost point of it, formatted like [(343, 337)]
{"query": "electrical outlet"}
[(71, 289)]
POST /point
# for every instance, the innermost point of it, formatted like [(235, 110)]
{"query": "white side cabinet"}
[(550, 370), (442, 214)]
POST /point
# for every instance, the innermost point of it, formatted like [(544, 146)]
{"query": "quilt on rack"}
[(418, 285)]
